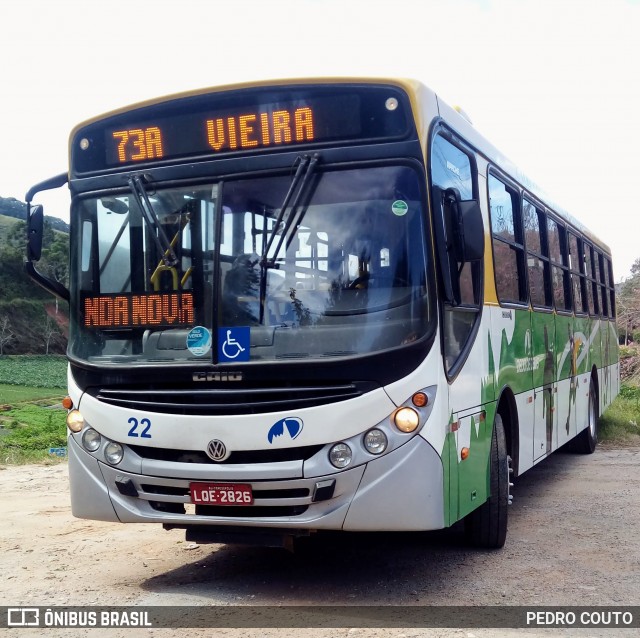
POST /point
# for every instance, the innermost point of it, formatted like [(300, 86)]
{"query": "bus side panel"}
[(474, 433), (582, 350), (566, 378), (543, 365), (469, 440), (514, 365), (511, 344), (609, 380), (595, 343), (606, 374), (451, 483)]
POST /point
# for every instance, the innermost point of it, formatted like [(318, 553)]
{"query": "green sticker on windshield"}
[(399, 207)]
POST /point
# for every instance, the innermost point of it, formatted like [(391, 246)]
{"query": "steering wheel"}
[(362, 279), (396, 282)]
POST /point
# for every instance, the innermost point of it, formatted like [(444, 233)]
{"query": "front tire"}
[(486, 526)]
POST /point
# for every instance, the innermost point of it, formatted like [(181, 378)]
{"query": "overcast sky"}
[(553, 84)]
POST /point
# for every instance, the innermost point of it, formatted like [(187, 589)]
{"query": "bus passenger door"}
[(545, 432), (567, 345)]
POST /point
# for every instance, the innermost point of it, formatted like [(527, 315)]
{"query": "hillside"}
[(13, 208), (30, 320)]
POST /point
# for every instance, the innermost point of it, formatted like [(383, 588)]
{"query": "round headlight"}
[(340, 455), (113, 453), (375, 441), (91, 440), (406, 419), (75, 420)]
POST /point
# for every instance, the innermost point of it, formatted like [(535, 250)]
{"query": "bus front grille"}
[(244, 399), (238, 457)]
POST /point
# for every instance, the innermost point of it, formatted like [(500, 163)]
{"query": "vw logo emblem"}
[(216, 450)]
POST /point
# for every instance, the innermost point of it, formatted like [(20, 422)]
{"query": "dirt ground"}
[(573, 540)]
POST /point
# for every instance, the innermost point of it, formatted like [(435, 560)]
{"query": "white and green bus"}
[(319, 305)]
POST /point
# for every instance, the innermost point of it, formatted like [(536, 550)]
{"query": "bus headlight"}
[(75, 420), (340, 455), (375, 441), (406, 420), (91, 440), (113, 453)]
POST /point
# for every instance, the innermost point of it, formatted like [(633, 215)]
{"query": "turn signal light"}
[(67, 403), (420, 399)]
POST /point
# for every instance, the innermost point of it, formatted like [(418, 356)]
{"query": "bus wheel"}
[(487, 525), (586, 441)]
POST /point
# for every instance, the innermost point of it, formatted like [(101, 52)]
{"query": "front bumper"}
[(400, 491)]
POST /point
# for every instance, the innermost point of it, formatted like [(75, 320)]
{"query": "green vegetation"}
[(29, 431), (13, 394), (620, 424), (31, 322), (34, 371), (30, 387)]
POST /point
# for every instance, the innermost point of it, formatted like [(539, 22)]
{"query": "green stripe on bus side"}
[(514, 367), (450, 470), (466, 483), (474, 471)]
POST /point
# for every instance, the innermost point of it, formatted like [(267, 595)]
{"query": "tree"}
[(5, 333), (628, 303), (55, 259), (49, 330)]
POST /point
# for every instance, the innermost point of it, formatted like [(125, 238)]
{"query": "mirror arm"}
[(48, 184), (54, 287), (33, 252)]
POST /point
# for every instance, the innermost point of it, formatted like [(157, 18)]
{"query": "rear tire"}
[(586, 441), (487, 526)]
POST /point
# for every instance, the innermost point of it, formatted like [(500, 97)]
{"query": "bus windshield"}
[(332, 265)]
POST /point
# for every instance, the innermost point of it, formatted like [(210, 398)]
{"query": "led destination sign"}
[(244, 121), (116, 311), (249, 130)]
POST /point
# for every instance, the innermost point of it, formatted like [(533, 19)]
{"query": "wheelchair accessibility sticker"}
[(199, 341), (234, 344)]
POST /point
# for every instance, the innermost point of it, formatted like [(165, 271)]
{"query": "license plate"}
[(221, 494)]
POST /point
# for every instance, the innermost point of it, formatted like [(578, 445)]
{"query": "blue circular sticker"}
[(199, 341)]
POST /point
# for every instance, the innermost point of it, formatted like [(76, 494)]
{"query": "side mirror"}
[(35, 229), (459, 237), (469, 231)]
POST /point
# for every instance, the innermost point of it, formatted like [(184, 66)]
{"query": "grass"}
[(29, 426), (12, 394), (620, 424), (28, 431)]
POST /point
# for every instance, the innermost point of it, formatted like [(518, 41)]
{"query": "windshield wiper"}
[(161, 240), (302, 178)]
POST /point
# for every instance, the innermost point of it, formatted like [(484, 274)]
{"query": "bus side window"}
[(508, 243), (537, 255), (602, 285), (557, 238), (588, 274), (576, 280), (612, 289)]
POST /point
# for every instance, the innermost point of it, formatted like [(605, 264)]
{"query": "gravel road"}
[(573, 539)]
